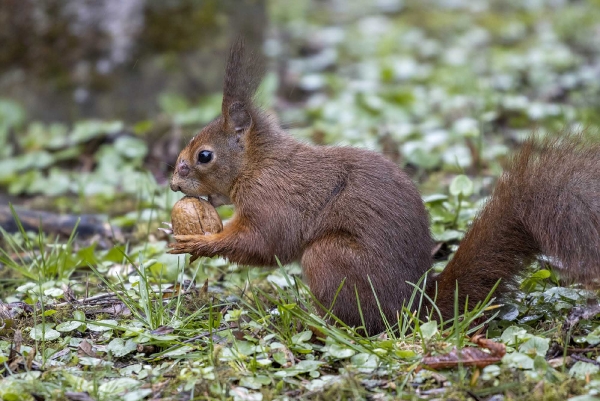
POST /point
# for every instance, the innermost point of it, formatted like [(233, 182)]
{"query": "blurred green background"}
[(98, 97)]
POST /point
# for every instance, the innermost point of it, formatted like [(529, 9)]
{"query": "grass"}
[(261, 340)]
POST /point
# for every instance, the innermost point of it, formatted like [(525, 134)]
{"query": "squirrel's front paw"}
[(186, 244)]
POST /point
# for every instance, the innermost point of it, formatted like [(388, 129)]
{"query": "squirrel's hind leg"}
[(329, 267)]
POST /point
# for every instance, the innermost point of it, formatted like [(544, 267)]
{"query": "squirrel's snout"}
[(174, 187), (182, 169)]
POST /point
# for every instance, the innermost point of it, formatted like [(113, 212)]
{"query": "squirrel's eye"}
[(205, 156)]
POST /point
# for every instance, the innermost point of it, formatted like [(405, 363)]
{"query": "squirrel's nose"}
[(183, 169), (175, 188)]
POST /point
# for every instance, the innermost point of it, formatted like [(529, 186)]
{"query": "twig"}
[(581, 358)]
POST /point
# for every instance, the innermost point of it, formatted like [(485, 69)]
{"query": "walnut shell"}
[(195, 216)]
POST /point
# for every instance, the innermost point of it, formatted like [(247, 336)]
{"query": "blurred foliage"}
[(435, 85), (438, 76)]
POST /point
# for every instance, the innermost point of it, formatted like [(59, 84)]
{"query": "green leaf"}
[(541, 274), (448, 235), (535, 346), (405, 354), (280, 358), (593, 337), (115, 254), (245, 348), (339, 351), (424, 158), (255, 382), (491, 371), (365, 362), (44, 332), (186, 349), (302, 337), (435, 198), (243, 394), (518, 360), (54, 292), (68, 326), (461, 185), (514, 334), (119, 347), (118, 386), (136, 395), (509, 312), (86, 130), (131, 148), (104, 325), (13, 390), (429, 329), (301, 367), (57, 183), (12, 114), (540, 364), (582, 369), (79, 315)]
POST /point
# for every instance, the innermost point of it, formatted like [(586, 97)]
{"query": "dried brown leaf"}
[(470, 356), (85, 349)]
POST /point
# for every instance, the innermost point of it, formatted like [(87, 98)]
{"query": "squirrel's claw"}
[(168, 230)]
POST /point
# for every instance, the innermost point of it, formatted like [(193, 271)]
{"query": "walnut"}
[(192, 216)]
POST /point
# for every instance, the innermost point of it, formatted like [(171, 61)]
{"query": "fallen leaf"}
[(470, 356), (85, 349)]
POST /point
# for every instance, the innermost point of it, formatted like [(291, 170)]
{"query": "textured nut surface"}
[(194, 216)]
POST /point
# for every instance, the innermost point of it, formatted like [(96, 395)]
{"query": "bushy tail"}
[(547, 202)]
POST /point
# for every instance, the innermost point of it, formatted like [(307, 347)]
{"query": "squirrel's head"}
[(213, 159)]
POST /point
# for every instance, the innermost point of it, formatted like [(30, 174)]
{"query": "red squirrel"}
[(351, 216)]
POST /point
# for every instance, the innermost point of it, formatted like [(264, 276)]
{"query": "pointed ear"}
[(242, 76), (238, 117)]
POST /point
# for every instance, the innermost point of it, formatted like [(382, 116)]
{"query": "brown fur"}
[(350, 215), (547, 202)]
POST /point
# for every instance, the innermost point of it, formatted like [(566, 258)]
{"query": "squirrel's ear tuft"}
[(242, 77), (238, 117)]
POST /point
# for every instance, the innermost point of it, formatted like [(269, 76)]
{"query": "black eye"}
[(205, 156)]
